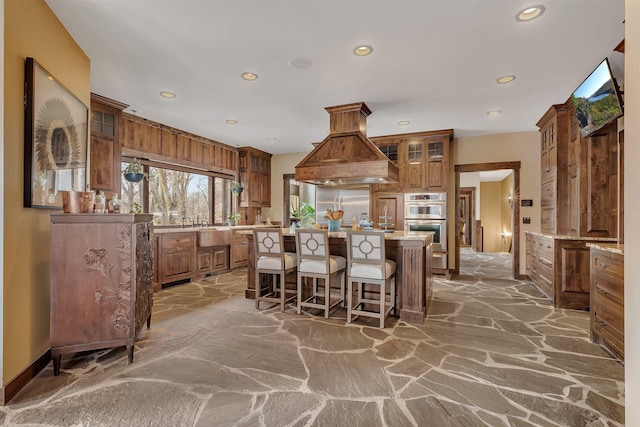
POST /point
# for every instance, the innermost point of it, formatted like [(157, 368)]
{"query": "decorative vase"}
[(237, 190), (232, 222), (334, 225), (133, 177)]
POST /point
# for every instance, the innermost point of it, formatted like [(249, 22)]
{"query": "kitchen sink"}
[(214, 236)]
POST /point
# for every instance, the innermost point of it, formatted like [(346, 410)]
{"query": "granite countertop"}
[(188, 228), (616, 248), (567, 237), (396, 235)]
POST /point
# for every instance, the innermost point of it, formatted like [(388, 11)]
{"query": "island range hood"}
[(346, 156)]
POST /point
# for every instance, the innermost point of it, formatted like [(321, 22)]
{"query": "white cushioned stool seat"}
[(370, 271), (336, 262), (272, 263)]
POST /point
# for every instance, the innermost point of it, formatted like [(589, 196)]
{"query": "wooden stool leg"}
[(349, 299), (383, 306), (283, 291), (299, 303), (258, 290), (327, 296)]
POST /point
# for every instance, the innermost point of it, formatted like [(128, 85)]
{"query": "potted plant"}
[(234, 217), (302, 217), (134, 172)]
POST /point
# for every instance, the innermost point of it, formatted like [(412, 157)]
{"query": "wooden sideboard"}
[(414, 277), (101, 281)]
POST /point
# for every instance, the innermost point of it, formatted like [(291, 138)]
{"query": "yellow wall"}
[(508, 147), (31, 29), (506, 190), (632, 210), (491, 215)]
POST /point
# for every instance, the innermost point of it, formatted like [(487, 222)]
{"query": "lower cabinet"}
[(212, 259), (559, 266), (177, 256), (607, 298), (101, 281), (239, 250)]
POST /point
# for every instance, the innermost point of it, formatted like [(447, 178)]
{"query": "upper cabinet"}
[(579, 176), (255, 177), (154, 141), (106, 134), (423, 160)]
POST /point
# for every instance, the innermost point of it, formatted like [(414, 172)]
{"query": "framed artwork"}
[(55, 139)]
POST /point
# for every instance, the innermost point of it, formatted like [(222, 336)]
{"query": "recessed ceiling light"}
[(232, 122), (363, 50), (403, 122), (249, 76), (271, 138), (530, 13), (168, 95), (505, 79), (494, 112)]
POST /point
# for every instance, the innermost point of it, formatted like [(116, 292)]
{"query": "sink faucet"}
[(185, 219)]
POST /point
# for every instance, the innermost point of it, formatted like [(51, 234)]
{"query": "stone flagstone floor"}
[(493, 352)]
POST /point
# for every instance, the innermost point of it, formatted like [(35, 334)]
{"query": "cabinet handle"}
[(601, 323), (601, 291), (603, 265)]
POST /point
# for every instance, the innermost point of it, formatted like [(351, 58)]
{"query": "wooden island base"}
[(414, 277)]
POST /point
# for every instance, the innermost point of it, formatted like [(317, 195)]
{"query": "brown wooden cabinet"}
[(421, 157), (239, 250), (101, 281), (540, 263), (212, 259), (154, 141), (599, 183), (392, 148), (255, 177), (559, 267), (104, 146), (177, 255), (554, 134), (579, 194), (394, 204), (607, 299)]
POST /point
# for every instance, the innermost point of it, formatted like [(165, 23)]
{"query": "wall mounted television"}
[(597, 100)]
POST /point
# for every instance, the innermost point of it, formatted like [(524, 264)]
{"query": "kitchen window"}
[(178, 196)]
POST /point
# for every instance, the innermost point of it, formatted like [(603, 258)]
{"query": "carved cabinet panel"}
[(101, 281)]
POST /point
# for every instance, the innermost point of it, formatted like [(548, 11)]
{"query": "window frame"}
[(227, 199)]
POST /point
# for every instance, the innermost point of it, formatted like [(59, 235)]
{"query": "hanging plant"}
[(236, 188), (134, 172)]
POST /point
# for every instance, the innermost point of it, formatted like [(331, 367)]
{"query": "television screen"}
[(597, 100)]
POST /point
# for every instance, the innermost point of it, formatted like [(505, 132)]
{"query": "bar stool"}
[(270, 258), (366, 263), (315, 262)]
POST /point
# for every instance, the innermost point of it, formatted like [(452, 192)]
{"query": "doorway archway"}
[(483, 167)]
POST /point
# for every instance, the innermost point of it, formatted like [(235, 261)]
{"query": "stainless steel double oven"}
[(425, 212)]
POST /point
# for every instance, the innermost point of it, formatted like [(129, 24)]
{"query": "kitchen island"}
[(411, 252)]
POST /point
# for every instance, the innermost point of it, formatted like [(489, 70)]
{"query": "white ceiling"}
[(434, 62)]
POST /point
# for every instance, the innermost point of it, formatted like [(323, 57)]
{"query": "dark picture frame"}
[(55, 139)]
